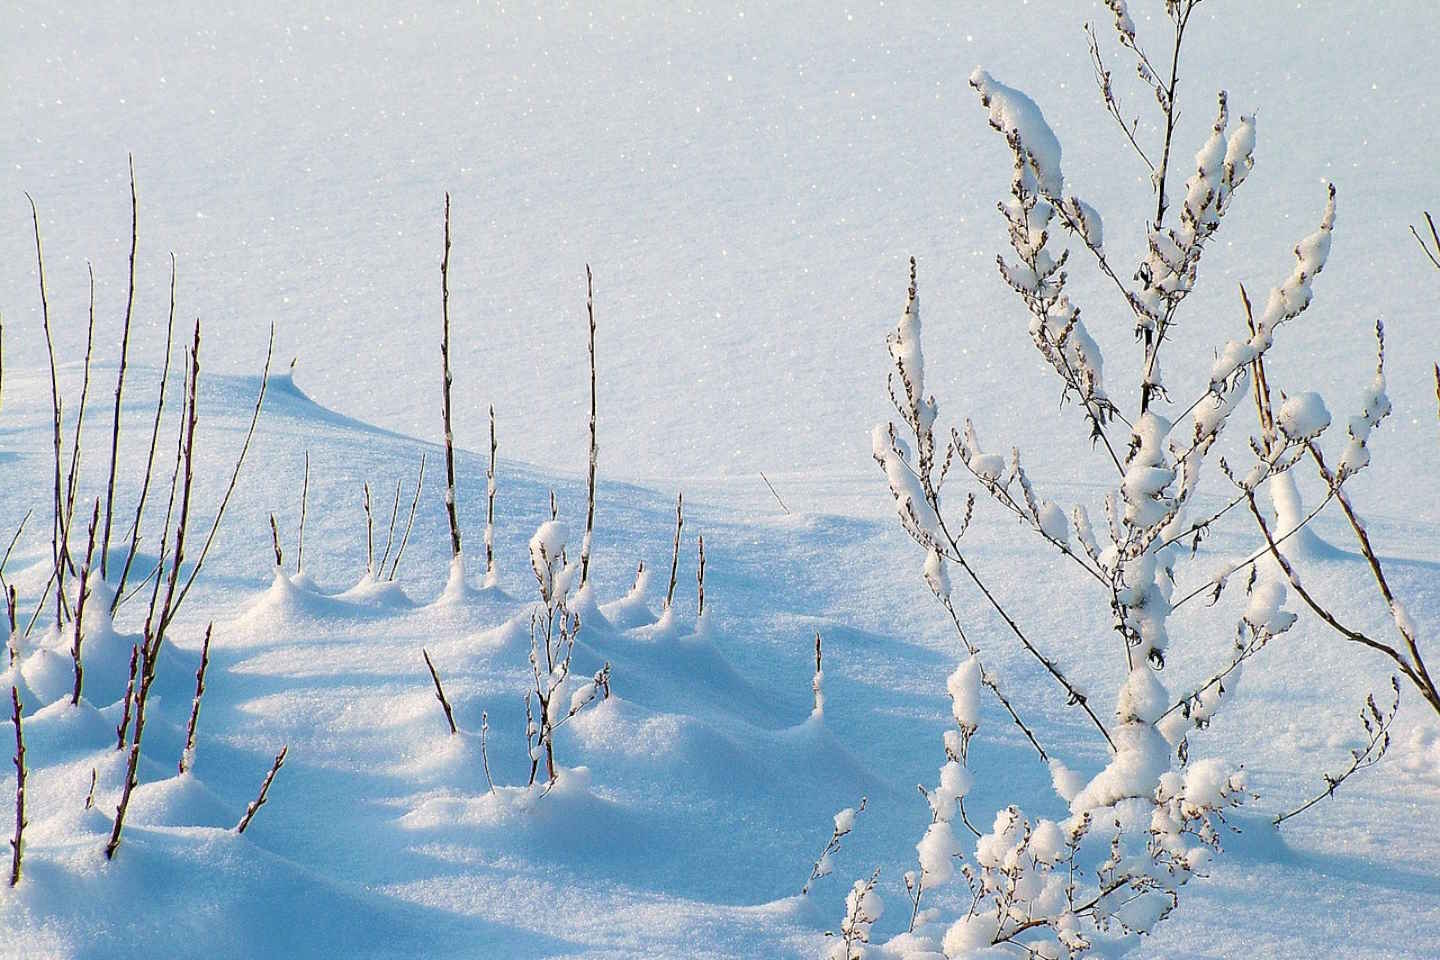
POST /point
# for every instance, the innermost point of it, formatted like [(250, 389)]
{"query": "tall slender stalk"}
[(120, 378), (675, 550), (17, 845), (58, 534), (594, 450), (445, 365), (149, 457), (304, 503), (187, 756), (72, 477), (80, 608), (490, 505), (410, 521)]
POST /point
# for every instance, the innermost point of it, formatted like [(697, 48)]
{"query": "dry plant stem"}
[(72, 477), (1427, 690), (275, 543), (17, 845), (594, 450), (120, 378), (675, 550), (1433, 255), (446, 381), (234, 475), (820, 868), (1377, 728), (369, 534), (990, 683), (700, 584), (304, 503), (1421, 675), (1107, 94), (1076, 698), (150, 457), (5, 558), (484, 750), (156, 625), (490, 502), (189, 751), (90, 796), (124, 724), (58, 535), (389, 532), (264, 795), (440, 693), (819, 656), (80, 609), (410, 522), (774, 491)]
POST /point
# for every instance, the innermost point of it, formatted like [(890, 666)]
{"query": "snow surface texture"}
[(748, 206)]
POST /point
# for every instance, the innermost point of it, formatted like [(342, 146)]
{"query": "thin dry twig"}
[(594, 450), (675, 550), (17, 845), (410, 522), (264, 795), (187, 756), (120, 378), (304, 504), (150, 457), (440, 694)]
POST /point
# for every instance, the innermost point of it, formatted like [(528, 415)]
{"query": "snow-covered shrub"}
[(553, 630), (1141, 827)]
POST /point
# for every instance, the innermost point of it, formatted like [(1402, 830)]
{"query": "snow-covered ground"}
[(746, 184)]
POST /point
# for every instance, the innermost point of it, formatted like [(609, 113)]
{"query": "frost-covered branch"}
[(844, 823)]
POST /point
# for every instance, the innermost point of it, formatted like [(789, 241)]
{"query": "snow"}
[(748, 189), (1303, 416)]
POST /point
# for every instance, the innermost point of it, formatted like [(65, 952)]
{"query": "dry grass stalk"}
[(1432, 249), (264, 794), (440, 693), (304, 503), (490, 503), (187, 756), (120, 378), (369, 533), (1377, 741), (594, 449), (234, 474), (58, 535), (484, 749), (156, 624), (90, 796), (80, 609), (410, 521), (150, 457), (700, 580), (124, 724), (389, 532), (773, 491), (73, 475), (675, 549), (446, 382), (17, 845), (275, 543)]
